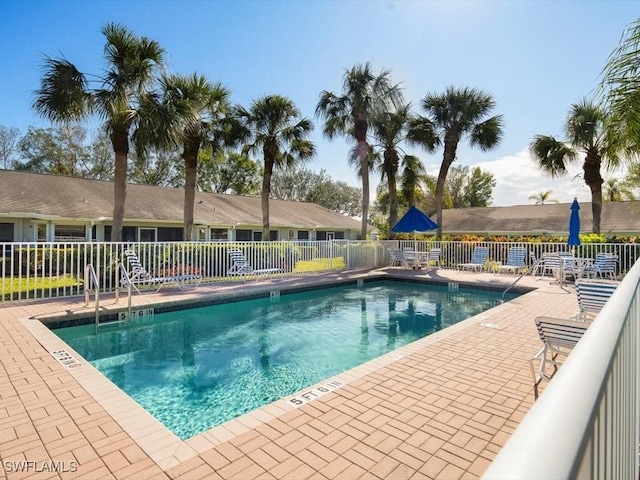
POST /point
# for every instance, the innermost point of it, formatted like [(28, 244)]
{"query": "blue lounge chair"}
[(515, 260), (605, 265), (478, 259), (592, 296)]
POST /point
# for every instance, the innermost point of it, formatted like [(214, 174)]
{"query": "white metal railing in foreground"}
[(586, 424)]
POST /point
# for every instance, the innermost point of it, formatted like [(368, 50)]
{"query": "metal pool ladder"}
[(534, 268), (91, 280)]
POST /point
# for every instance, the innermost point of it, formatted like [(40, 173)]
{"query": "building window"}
[(40, 232), (6, 232), (70, 233), (320, 236), (292, 235), (201, 234), (243, 235), (147, 234), (219, 234), (170, 234), (128, 233), (273, 235), (339, 235), (257, 236), (303, 234)]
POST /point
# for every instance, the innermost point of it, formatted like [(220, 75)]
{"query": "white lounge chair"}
[(431, 259), (558, 336), (478, 259), (136, 276), (515, 260), (592, 296), (241, 266)]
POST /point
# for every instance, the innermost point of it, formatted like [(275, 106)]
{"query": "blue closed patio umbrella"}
[(574, 224), (416, 221)]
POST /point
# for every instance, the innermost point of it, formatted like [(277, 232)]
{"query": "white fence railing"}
[(40, 270), (454, 253), (586, 424)]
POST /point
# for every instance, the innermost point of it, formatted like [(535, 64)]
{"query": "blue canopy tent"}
[(414, 221)]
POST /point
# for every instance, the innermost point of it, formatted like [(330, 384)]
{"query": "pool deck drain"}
[(441, 407)]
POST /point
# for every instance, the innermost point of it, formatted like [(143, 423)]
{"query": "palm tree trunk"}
[(393, 190), (449, 155), (120, 142), (594, 180), (190, 172), (364, 160), (266, 190), (362, 153), (119, 196)]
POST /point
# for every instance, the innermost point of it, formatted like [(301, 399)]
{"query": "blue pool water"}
[(197, 368)]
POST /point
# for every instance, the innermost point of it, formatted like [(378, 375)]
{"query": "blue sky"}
[(536, 58)]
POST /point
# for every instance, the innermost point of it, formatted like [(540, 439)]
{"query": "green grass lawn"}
[(19, 287)]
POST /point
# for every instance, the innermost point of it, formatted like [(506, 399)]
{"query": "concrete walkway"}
[(441, 407)]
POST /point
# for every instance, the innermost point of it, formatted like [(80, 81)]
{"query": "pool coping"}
[(167, 449)]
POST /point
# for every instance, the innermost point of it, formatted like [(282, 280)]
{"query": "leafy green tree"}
[(160, 167), (479, 188), (631, 182), (101, 153), (414, 175), (302, 185), (616, 190), (364, 96), (585, 131), (194, 115), (274, 127), (620, 87), (543, 197), (232, 173), (58, 151), (8, 144), (65, 95), (450, 117)]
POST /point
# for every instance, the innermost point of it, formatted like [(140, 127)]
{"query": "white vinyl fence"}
[(40, 270)]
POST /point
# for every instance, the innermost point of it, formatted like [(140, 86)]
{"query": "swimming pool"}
[(197, 368)]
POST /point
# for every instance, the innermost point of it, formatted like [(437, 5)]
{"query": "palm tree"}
[(65, 95), (390, 129), (542, 197), (413, 175), (585, 131), (450, 117), (364, 96), (196, 112), (620, 87), (274, 126)]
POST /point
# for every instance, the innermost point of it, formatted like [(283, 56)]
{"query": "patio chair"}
[(396, 258), (605, 265), (592, 296), (558, 336), (432, 258), (241, 266), (515, 260), (478, 259), (136, 276)]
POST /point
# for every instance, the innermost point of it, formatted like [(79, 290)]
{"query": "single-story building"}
[(620, 218), (39, 207)]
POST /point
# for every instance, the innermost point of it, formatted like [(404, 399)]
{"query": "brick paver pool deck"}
[(441, 407)]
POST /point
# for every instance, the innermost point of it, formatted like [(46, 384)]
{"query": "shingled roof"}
[(31, 195), (622, 218)]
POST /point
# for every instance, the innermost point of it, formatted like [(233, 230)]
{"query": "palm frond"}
[(551, 155)]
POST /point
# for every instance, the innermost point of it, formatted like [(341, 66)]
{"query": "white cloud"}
[(517, 178)]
